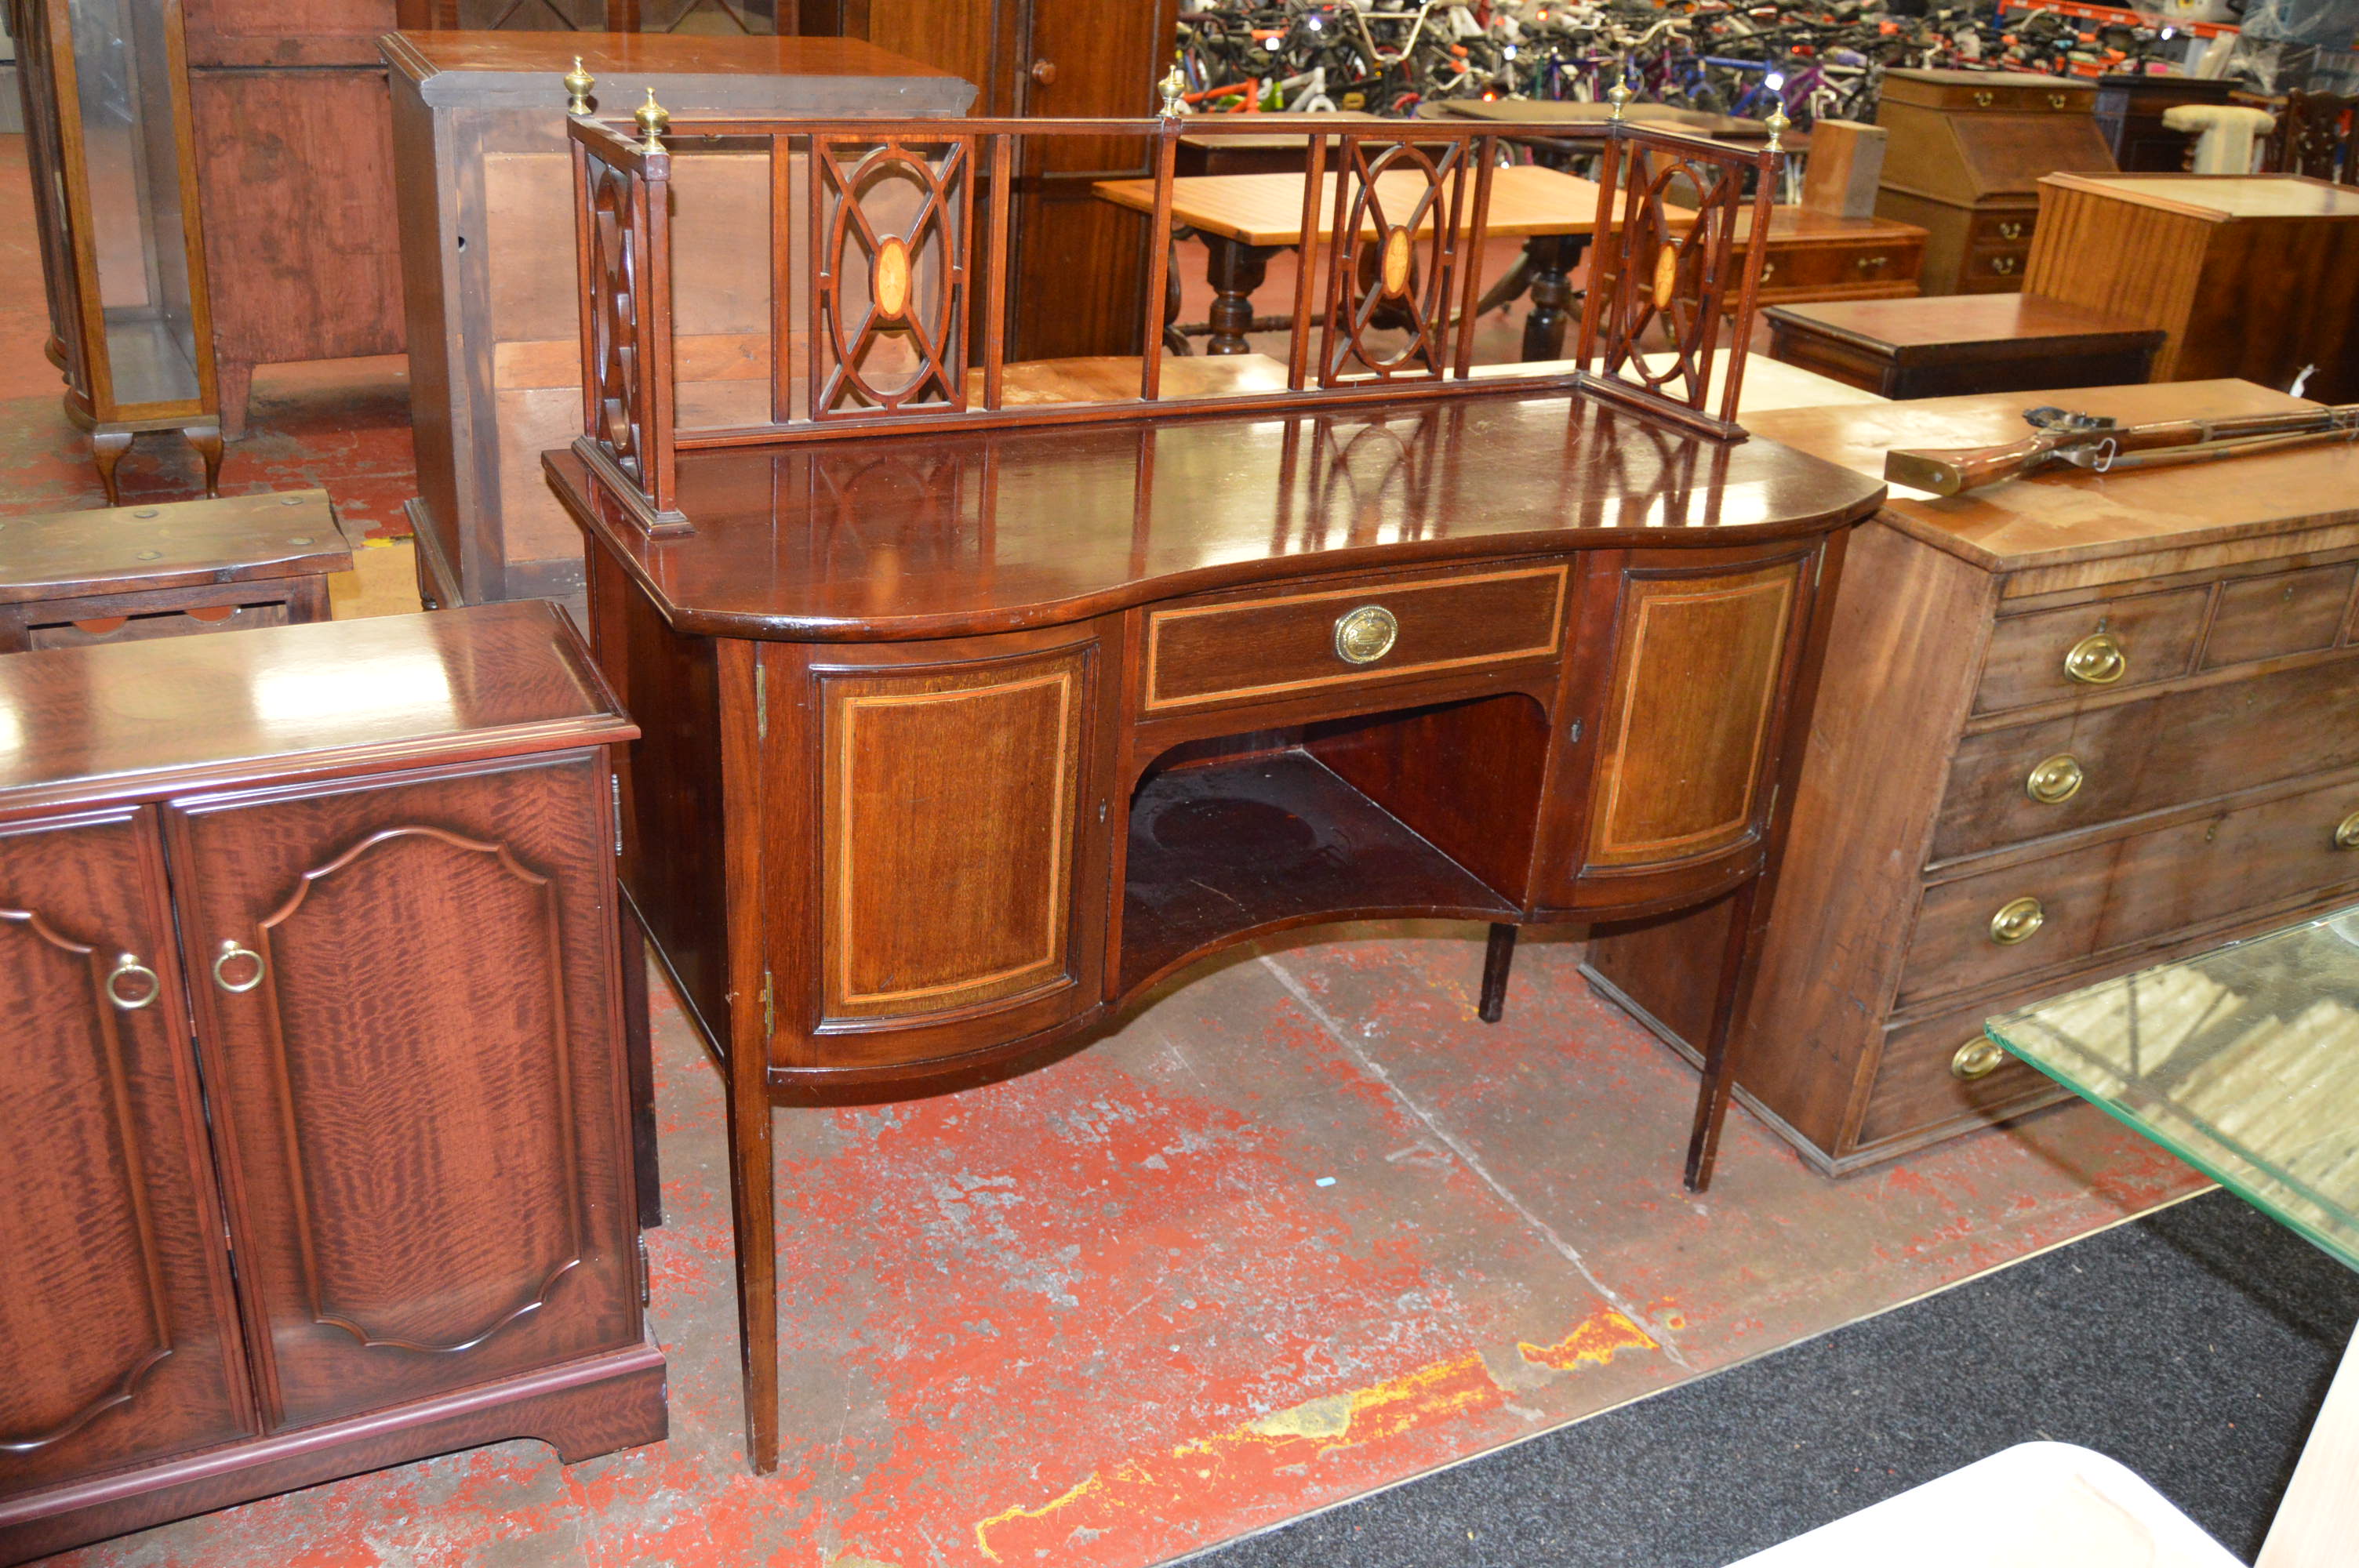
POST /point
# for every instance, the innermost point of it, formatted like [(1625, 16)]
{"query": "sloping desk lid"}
[(958, 535), (138, 720), (2066, 516)]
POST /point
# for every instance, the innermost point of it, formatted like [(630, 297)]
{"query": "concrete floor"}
[(1300, 1227)]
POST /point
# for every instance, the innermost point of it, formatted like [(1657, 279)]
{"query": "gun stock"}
[(1957, 470)]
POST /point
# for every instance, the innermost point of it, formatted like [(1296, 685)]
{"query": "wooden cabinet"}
[(2249, 276), (2129, 113), (494, 317), (1815, 256), (1080, 263), (2068, 729), (1993, 342), (360, 886), (1966, 152)]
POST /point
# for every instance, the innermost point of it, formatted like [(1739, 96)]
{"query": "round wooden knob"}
[(2054, 780), (1977, 1058), (2097, 659), (1367, 634), (2017, 920), (1044, 71)]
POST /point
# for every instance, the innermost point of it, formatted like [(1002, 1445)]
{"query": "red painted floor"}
[(1300, 1228)]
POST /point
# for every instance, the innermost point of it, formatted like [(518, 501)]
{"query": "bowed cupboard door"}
[(118, 1330), (410, 1044)]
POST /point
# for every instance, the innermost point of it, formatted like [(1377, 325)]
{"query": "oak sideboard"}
[(320, 1155)]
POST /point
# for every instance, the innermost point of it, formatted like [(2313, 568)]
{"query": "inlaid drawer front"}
[(1277, 645), (2028, 781), (2082, 648), (1984, 929), (1697, 661), (2284, 612)]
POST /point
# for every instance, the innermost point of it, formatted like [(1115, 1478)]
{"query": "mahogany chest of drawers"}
[(1966, 153), (319, 1157), (2071, 726)]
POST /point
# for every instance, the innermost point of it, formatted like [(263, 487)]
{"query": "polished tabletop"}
[(1953, 321), (2243, 1061), (1267, 208), (2226, 196), (170, 544), (130, 720), (2069, 515), (988, 531)]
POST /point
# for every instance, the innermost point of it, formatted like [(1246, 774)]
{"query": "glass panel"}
[(124, 76), (2243, 1061)]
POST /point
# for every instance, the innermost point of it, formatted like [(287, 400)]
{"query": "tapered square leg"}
[(1498, 956)]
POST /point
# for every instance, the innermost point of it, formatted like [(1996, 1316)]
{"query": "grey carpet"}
[(2193, 1345)]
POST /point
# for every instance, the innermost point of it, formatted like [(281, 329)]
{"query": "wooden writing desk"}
[(1244, 218)]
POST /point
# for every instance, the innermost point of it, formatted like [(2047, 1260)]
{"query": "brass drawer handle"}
[(1977, 1058), (2055, 100), (2054, 780), (1870, 264), (230, 951), (1982, 99), (128, 964), (2010, 231), (1769, 269), (2004, 266), (1367, 634), (2017, 920), (2097, 659), (2346, 832)]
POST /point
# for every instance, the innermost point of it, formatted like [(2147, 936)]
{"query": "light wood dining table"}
[(1245, 219)]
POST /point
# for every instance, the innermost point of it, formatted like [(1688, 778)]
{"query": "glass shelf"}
[(2243, 1061)]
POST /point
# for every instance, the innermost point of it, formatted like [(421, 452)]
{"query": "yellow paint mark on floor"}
[(1593, 1342), (984, 1527)]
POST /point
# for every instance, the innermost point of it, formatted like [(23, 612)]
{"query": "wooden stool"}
[(1961, 343), (124, 574)]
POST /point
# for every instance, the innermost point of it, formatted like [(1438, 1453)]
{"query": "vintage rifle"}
[(2099, 444)]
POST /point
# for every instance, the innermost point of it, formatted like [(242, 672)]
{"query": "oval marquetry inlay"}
[(1667, 276), (889, 283), (1395, 264)]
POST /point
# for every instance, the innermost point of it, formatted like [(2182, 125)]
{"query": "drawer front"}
[(2171, 750), (1994, 268), (1833, 266), (1945, 1073), (1983, 930), (2000, 230), (1283, 643), (2285, 613), (1992, 97), (2086, 648), (156, 624)]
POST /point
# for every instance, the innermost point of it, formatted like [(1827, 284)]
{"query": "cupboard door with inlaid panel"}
[(118, 1331), (1701, 666), (951, 805), (412, 1047)]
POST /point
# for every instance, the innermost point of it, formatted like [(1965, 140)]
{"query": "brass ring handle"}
[(2054, 780), (2346, 832), (229, 950), (2004, 266), (1977, 1058), (1982, 99), (2017, 920), (2010, 231), (1367, 634), (2097, 659), (128, 964)]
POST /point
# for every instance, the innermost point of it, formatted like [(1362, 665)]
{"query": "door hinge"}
[(769, 1009), (761, 699), (646, 1270), (1572, 732), (615, 786)]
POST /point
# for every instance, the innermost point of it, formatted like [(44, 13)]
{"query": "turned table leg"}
[(1497, 956), (1237, 270), (1552, 258)]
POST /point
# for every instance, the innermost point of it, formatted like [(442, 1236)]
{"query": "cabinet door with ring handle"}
[(122, 1344)]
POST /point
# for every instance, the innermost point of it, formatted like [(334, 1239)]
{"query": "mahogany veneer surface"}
[(1090, 519), (239, 538)]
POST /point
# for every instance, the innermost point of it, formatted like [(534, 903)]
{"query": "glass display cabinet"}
[(106, 115)]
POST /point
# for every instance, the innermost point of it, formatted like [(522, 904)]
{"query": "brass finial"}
[(1777, 125), (1619, 95), (653, 120), (1175, 93), (577, 84)]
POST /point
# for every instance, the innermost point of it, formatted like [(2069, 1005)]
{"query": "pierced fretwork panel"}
[(889, 232), (613, 411), (1662, 274), (1399, 209)]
